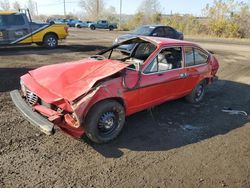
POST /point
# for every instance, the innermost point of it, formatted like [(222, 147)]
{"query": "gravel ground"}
[(176, 144)]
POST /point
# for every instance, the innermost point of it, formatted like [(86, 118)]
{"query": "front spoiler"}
[(33, 117)]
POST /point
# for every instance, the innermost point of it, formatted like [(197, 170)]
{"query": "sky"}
[(194, 7)]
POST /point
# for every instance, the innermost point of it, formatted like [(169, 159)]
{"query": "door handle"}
[(183, 75)]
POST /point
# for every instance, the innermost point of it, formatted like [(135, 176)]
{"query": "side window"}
[(160, 32), (167, 59), (15, 20), (189, 56), (195, 56), (200, 57)]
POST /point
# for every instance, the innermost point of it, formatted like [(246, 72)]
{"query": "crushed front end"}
[(47, 113)]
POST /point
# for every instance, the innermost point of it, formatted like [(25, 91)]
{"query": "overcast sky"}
[(128, 6)]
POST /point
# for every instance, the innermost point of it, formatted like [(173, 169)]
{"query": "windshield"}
[(138, 55), (144, 30)]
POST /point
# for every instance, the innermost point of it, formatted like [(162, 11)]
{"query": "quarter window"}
[(167, 59), (200, 57), (195, 56)]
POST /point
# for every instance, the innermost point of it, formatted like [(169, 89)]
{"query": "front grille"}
[(31, 97)]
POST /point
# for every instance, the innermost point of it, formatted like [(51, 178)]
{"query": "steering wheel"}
[(98, 57)]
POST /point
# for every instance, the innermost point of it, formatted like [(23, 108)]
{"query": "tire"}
[(111, 28), (197, 93), (92, 27), (78, 26), (50, 41), (104, 121)]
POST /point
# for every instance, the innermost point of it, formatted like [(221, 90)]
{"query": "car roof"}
[(7, 12), (166, 41)]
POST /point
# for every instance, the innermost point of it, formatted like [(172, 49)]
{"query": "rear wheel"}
[(92, 27), (104, 121), (197, 93), (111, 28), (50, 41)]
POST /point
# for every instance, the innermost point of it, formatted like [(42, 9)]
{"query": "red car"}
[(94, 95)]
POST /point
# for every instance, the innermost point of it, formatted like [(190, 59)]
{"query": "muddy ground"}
[(176, 144)]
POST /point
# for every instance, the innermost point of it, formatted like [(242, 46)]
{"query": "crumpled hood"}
[(126, 37), (73, 79)]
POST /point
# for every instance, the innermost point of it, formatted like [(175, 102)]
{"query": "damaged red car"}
[(93, 96)]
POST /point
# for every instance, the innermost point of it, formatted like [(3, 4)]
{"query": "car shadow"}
[(10, 78), (33, 49), (177, 123)]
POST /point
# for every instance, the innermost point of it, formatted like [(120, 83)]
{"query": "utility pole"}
[(36, 9), (120, 18), (97, 8), (64, 8)]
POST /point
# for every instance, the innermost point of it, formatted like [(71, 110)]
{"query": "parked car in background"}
[(103, 24), (92, 96), (72, 23), (18, 28), (149, 30), (82, 24), (58, 20)]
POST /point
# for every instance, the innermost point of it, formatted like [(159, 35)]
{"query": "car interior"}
[(140, 53), (167, 59)]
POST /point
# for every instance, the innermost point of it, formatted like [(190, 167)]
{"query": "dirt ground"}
[(176, 144)]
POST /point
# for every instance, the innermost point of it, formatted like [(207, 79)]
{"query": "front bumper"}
[(33, 117)]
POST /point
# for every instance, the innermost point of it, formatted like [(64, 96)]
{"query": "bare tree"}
[(109, 14), (150, 7), (5, 4), (32, 7), (16, 5), (151, 10), (93, 8)]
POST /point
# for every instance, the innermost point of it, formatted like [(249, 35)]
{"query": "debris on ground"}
[(234, 112)]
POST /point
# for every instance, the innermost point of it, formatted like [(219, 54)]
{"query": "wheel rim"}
[(51, 42), (108, 122), (199, 92)]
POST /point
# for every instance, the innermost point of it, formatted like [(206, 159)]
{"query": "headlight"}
[(23, 89), (116, 41)]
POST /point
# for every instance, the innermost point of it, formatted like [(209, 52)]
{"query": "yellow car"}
[(18, 28)]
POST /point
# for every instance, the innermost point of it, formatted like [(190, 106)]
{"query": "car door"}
[(4, 39), (170, 32), (15, 28), (102, 24), (163, 77), (196, 66)]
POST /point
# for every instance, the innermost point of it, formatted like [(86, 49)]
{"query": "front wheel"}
[(50, 41), (104, 121), (197, 93)]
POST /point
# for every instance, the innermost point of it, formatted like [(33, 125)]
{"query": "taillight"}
[(215, 65)]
